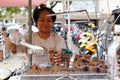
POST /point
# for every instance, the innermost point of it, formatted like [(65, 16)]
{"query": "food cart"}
[(85, 72)]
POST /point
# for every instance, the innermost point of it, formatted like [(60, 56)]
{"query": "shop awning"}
[(15, 3)]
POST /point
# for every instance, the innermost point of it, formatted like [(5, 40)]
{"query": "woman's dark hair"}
[(37, 11)]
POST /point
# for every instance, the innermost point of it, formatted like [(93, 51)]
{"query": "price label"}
[(40, 58)]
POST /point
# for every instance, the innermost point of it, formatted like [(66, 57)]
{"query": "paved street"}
[(14, 61)]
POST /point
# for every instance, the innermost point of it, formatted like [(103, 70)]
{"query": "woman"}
[(44, 37)]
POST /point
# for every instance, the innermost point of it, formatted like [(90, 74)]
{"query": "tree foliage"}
[(10, 11)]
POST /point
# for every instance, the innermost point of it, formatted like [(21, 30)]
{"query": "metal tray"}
[(65, 75)]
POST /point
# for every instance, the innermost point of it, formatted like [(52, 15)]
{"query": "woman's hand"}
[(3, 33), (7, 42), (15, 37), (57, 57)]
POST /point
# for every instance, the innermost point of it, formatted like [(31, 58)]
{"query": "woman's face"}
[(44, 22)]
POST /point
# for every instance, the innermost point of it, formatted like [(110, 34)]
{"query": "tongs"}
[(33, 48)]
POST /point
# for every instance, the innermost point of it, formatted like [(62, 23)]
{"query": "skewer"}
[(71, 12)]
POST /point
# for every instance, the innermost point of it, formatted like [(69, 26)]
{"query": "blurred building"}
[(98, 10)]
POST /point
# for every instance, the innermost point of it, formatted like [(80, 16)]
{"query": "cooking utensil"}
[(34, 48)]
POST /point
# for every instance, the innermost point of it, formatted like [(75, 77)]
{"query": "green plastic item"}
[(67, 51)]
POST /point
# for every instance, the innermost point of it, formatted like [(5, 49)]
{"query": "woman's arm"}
[(8, 44)]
